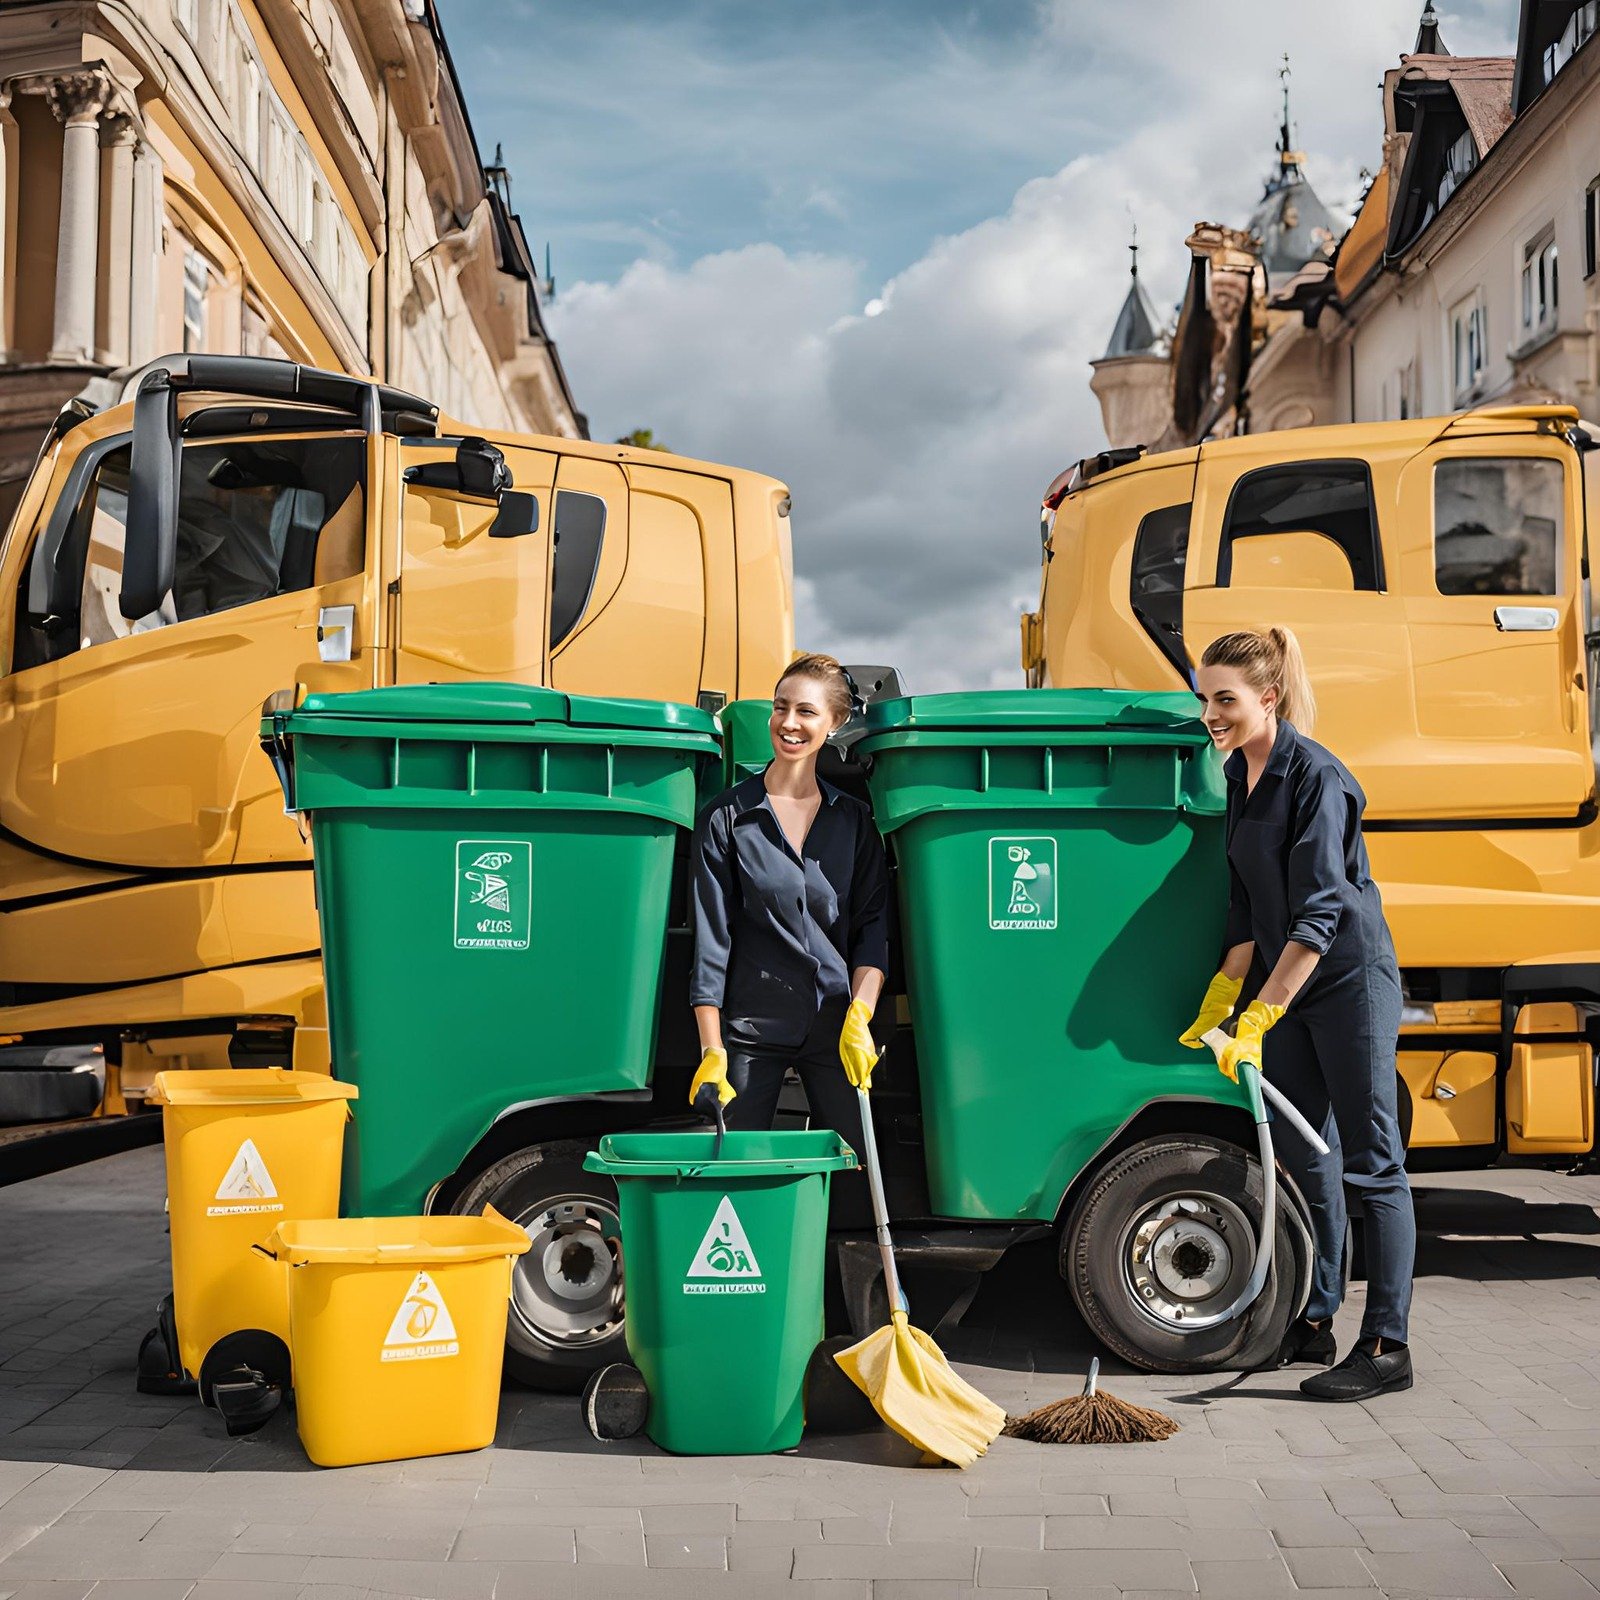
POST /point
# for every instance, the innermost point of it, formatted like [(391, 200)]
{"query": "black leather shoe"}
[(1306, 1342), (1361, 1376)]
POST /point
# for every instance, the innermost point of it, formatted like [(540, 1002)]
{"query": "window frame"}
[(1591, 228), (1225, 538), (1539, 300), (1165, 633), (1472, 313)]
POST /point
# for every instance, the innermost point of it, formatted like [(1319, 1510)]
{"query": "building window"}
[(1591, 228), (196, 286), (1581, 25), (1469, 346), (1497, 525), (1539, 284), (1459, 160)]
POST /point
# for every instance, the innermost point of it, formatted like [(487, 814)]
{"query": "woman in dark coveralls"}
[(790, 899), (1306, 931)]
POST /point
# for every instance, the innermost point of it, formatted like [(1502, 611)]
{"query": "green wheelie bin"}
[(493, 865), (725, 1264), (1062, 886)]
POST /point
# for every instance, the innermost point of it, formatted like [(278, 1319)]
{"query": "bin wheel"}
[(566, 1318), (1165, 1230)]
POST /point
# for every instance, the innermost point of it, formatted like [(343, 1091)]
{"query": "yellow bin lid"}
[(394, 1241), (246, 1086)]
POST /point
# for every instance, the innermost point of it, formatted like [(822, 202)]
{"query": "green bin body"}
[(725, 1264), (493, 865), (1063, 888)]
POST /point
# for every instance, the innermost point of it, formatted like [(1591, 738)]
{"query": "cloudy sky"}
[(870, 246)]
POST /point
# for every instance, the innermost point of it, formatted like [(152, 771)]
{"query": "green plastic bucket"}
[(493, 867), (725, 1267), (1063, 887)]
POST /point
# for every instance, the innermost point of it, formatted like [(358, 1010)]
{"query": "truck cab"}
[(1436, 573), (243, 528)]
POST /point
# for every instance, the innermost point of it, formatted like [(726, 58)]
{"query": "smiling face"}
[(1234, 713), (801, 720)]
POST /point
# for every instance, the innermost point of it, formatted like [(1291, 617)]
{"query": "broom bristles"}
[(1096, 1418)]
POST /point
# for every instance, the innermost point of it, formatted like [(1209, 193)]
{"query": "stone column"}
[(77, 99), (119, 141), (145, 250)]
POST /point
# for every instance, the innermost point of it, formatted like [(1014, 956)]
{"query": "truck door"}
[(470, 601), (1301, 544), (633, 574), (1490, 568), (134, 744)]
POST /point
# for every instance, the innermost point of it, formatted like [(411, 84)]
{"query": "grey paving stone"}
[(687, 1550), (1017, 1533), (506, 1542), (856, 1530), (1461, 1574), (1114, 1533), (1243, 1580), (237, 1589), (1547, 1580), (611, 1547), (828, 1561), (1299, 1525), (416, 1580), (1328, 1569), (1142, 1569), (1400, 1535)]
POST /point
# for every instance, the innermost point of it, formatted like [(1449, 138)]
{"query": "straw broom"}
[(1092, 1418)]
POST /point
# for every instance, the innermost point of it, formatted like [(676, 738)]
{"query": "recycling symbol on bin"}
[(489, 888), (1022, 878), (725, 1254)]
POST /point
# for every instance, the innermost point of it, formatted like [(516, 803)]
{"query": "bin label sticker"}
[(1022, 883), (422, 1328), (246, 1186), (494, 894), (725, 1263)]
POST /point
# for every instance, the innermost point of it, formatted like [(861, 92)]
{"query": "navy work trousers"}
[(1336, 1062)]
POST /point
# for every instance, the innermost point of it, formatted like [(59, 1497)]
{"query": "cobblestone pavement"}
[(1483, 1480)]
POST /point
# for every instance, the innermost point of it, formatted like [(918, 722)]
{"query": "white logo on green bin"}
[(725, 1263), (494, 894), (246, 1186), (1022, 883), (422, 1328)]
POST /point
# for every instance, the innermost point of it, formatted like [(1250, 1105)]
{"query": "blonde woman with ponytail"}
[(1307, 940)]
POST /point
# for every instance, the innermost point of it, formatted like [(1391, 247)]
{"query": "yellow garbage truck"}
[(1437, 574), (241, 527)]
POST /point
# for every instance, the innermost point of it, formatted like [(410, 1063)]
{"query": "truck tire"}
[(1206, 1193), (566, 1311)]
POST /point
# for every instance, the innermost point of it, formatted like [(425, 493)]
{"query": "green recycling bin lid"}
[(502, 705), (1163, 716), (782, 1154)]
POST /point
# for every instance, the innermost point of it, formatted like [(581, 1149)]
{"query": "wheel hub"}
[(1185, 1256), (566, 1292)]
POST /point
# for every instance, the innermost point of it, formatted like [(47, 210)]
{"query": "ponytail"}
[(1270, 660)]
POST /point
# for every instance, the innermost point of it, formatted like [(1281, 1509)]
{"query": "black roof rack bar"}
[(268, 378)]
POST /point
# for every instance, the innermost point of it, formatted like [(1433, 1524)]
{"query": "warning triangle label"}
[(422, 1326), (246, 1186), (725, 1263)]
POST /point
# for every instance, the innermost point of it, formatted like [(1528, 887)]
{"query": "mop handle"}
[(880, 1208), (1281, 1103)]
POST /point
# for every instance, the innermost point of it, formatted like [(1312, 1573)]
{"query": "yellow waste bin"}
[(247, 1150), (398, 1327)]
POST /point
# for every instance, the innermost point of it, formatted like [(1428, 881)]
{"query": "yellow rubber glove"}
[(856, 1049), (1258, 1016), (713, 1071), (1222, 995)]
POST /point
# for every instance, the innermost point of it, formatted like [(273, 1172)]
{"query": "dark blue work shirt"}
[(776, 933), (1298, 869)]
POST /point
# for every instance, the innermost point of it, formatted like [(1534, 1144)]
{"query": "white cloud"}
[(918, 435)]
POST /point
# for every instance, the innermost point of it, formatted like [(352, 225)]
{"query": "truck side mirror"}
[(479, 472), (518, 516), (150, 555)]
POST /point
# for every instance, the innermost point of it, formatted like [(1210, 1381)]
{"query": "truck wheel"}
[(566, 1292), (1166, 1231)]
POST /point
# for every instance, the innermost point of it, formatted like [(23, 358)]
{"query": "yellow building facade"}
[(258, 177)]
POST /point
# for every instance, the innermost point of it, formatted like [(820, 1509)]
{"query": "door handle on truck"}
[(1526, 619)]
